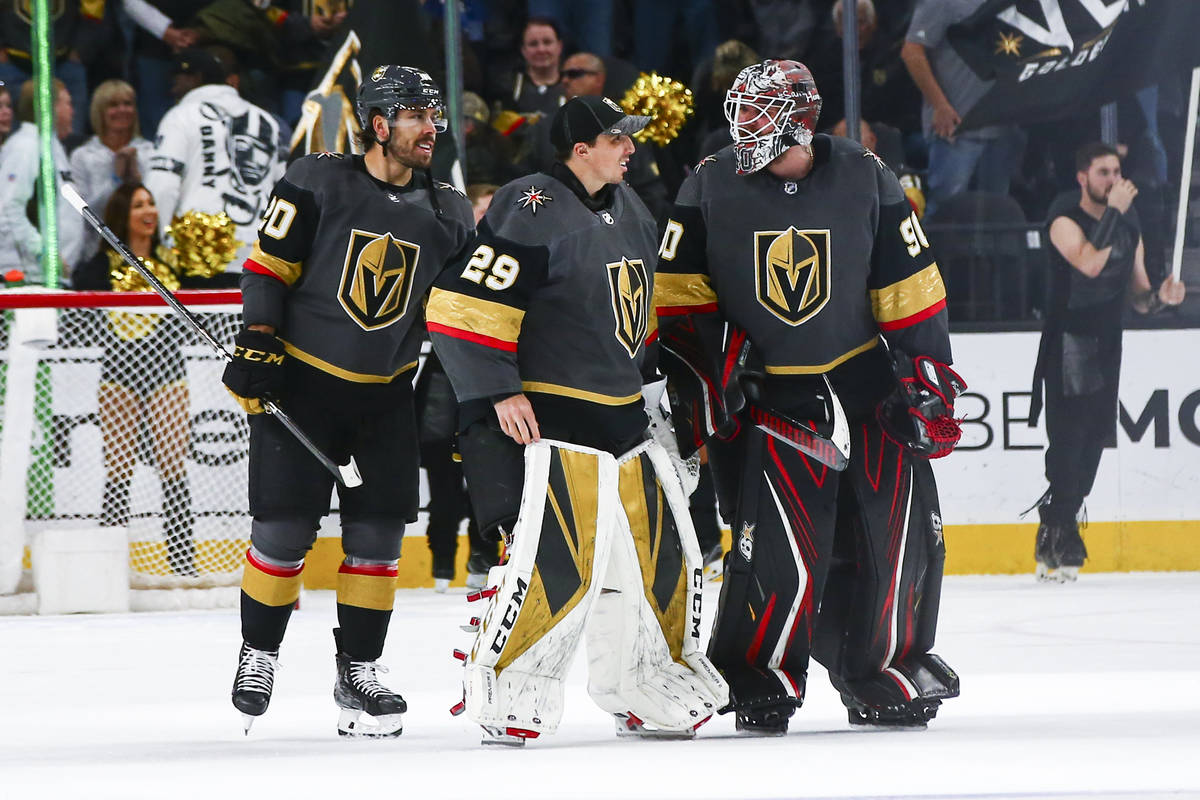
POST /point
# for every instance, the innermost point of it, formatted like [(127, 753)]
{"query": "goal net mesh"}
[(117, 417)]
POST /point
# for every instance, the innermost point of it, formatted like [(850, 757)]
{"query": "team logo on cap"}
[(613, 106), (377, 278), (627, 283), (792, 272), (378, 74)]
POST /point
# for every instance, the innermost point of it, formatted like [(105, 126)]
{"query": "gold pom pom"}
[(125, 278), (204, 243), (667, 102)]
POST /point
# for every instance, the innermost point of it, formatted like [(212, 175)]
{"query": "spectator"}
[(480, 195), (6, 114), (658, 25), (215, 152), (786, 28), (303, 39), (711, 80), (537, 88), (490, 154), (77, 38), (588, 23), (1099, 267), (134, 391), (20, 236), (982, 158), (164, 29), (116, 154), (890, 103)]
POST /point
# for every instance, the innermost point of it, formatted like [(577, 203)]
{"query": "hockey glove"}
[(688, 469), (256, 371), (919, 415)]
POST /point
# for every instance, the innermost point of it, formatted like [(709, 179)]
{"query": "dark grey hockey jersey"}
[(813, 270), (343, 263), (554, 301)]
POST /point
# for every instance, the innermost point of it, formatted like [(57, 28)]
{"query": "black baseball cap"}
[(196, 61), (583, 118)]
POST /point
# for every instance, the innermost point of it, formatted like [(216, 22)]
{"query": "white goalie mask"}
[(770, 107)]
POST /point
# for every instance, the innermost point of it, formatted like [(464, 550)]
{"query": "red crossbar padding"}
[(65, 298)]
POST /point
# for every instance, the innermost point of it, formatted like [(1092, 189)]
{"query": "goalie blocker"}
[(604, 548)]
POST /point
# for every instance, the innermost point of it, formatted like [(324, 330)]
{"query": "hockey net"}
[(112, 414)]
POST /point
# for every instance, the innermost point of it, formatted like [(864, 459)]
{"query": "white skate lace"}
[(256, 672), (362, 675)]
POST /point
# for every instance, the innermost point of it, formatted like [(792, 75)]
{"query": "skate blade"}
[(630, 727), (247, 721), (360, 725), (1068, 574), (873, 727)]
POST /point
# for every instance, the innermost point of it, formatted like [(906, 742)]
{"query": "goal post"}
[(113, 414)]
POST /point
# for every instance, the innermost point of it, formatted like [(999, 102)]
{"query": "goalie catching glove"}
[(256, 371), (919, 415)]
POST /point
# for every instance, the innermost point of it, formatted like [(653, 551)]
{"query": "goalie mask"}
[(391, 88), (770, 107)]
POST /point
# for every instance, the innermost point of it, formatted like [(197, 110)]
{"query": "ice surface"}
[(1089, 690)]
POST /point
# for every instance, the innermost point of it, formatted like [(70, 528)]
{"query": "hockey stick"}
[(829, 443), (347, 474)]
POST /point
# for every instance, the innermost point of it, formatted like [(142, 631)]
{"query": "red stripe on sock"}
[(273, 569), (374, 570)]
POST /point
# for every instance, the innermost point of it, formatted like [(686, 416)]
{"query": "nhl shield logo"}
[(792, 272), (627, 283), (377, 278)]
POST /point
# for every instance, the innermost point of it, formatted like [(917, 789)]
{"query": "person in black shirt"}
[(1099, 265)]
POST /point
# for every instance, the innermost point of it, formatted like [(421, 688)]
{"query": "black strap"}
[(1102, 234)]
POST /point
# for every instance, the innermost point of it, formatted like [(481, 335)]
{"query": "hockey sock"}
[(366, 591), (270, 589), (114, 510)]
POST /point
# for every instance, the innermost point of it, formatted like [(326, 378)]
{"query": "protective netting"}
[(128, 425)]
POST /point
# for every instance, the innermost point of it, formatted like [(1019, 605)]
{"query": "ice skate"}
[(477, 571), (629, 725), (253, 682), (358, 692), (764, 721), (1070, 551), (1047, 560), (441, 585), (506, 737)]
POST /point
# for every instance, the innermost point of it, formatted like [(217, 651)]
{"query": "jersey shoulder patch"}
[(449, 187)]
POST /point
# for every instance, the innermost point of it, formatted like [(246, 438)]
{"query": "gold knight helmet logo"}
[(377, 278), (628, 286), (792, 272)]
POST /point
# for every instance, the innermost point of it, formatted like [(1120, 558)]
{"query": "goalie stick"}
[(347, 474)]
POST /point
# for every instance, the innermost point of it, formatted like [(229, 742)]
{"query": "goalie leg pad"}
[(774, 575), (528, 634), (885, 604), (645, 663)]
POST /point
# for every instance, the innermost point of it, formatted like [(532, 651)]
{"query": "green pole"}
[(43, 59)]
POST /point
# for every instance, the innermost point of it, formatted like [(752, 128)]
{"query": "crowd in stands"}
[(123, 66)]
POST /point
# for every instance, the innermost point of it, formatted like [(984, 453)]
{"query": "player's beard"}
[(1099, 198), (407, 154)]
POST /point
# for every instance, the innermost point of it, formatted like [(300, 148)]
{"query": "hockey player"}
[(215, 153), (332, 296), (785, 258), (546, 327), (1099, 265)]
